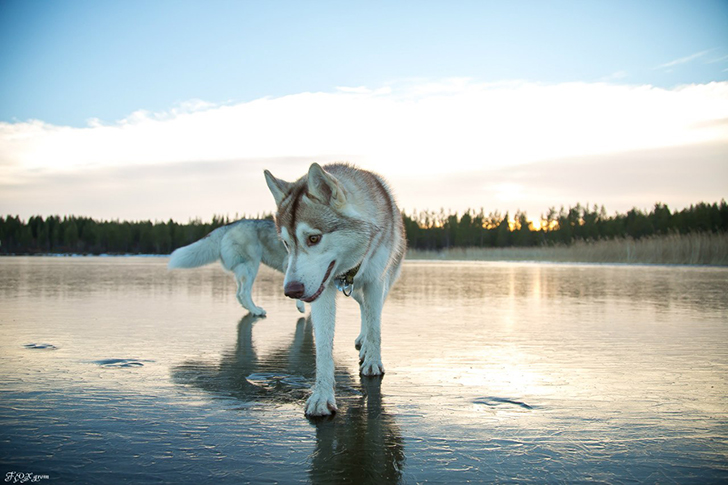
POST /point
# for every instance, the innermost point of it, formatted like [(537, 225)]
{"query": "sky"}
[(144, 110)]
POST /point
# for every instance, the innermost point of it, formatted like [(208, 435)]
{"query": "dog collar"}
[(345, 281)]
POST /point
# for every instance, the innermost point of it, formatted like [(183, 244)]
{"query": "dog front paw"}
[(371, 367), (258, 312), (321, 403)]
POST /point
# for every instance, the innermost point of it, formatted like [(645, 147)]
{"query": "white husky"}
[(240, 247), (343, 230)]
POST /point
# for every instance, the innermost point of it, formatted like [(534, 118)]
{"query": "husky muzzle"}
[(296, 289), (344, 283)]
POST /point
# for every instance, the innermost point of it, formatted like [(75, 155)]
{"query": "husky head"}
[(322, 231)]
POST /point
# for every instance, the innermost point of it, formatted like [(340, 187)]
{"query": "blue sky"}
[(65, 62), (438, 96)]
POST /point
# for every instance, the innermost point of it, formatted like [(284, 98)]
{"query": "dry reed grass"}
[(698, 249)]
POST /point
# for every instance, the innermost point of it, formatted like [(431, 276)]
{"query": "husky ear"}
[(278, 188), (324, 187)]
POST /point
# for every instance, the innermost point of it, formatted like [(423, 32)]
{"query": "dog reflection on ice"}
[(362, 444)]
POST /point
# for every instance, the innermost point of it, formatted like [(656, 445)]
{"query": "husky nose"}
[(293, 289)]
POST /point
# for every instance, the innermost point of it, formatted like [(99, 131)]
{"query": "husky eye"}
[(314, 239)]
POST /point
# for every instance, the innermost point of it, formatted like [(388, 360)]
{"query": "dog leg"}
[(245, 276), (323, 314), (358, 296), (370, 354)]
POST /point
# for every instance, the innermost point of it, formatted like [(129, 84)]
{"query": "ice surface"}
[(496, 372)]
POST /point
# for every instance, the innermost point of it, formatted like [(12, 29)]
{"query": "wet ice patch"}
[(502, 402), (273, 380), (34, 346), (120, 363)]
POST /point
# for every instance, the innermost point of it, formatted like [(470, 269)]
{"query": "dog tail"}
[(199, 253)]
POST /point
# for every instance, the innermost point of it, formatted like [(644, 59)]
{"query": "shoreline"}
[(701, 249)]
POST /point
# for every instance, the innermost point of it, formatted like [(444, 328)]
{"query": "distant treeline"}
[(425, 230), (435, 231), (82, 235)]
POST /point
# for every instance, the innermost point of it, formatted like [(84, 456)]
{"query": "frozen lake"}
[(114, 370)]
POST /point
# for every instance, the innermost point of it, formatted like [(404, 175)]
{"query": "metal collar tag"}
[(345, 282)]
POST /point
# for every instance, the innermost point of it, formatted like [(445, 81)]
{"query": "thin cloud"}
[(717, 60), (684, 60)]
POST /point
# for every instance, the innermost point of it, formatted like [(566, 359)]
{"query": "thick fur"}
[(331, 220), (240, 247)]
